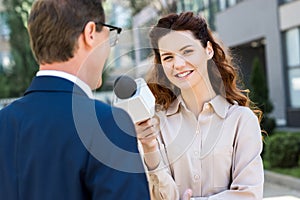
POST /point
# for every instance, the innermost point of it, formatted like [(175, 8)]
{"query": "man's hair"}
[(55, 25)]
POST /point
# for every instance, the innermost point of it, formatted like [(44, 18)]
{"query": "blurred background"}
[(263, 36)]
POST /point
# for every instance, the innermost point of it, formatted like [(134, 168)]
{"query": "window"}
[(294, 85), (285, 1), (292, 48), (231, 2), (222, 5)]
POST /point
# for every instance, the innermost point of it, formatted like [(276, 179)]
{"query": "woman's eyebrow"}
[(185, 47), (165, 54)]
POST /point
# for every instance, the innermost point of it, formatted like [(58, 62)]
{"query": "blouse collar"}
[(219, 104)]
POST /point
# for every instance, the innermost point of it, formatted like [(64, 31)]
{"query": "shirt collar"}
[(174, 106), (219, 104), (69, 77)]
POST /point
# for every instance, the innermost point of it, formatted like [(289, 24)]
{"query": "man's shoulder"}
[(102, 106), (10, 107), (110, 111)]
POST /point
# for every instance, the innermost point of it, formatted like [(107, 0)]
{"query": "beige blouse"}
[(217, 155)]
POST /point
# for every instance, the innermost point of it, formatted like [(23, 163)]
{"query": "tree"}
[(260, 95), (164, 6), (14, 82)]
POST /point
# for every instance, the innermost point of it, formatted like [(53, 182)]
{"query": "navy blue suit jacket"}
[(53, 139)]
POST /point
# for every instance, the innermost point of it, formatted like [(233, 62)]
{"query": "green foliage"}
[(138, 5), (268, 124), (260, 92), (260, 95), (283, 150), (4, 86), (15, 82), (294, 171)]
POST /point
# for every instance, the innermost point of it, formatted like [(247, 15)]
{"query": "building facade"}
[(270, 30), (265, 29)]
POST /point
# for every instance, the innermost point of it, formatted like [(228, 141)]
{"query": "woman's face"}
[(184, 59)]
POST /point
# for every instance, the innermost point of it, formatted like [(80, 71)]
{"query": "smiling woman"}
[(184, 61), (206, 142)]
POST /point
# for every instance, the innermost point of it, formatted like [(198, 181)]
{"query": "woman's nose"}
[(179, 62)]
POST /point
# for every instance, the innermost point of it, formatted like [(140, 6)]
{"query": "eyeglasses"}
[(114, 33)]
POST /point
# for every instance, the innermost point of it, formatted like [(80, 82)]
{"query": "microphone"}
[(135, 97)]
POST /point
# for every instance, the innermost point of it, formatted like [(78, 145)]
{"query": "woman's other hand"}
[(147, 132)]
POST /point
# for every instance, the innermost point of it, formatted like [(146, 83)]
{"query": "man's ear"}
[(89, 33), (209, 50)]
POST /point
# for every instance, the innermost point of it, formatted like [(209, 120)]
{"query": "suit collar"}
[(53, 84), (69, 77)]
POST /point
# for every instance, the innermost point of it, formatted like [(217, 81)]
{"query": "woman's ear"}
[(89, 33), (209, 50)]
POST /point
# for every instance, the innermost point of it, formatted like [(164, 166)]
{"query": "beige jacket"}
[(216, 155)]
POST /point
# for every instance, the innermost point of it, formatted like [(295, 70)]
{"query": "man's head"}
[(70, 36), (55, 25)]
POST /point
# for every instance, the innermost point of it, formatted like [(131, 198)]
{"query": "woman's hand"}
[(187, 195), (147, 132)]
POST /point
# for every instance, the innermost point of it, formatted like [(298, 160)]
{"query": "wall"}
[(289, 15), (252, 20)]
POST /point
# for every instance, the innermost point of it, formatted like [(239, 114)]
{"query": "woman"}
[(206, 140)]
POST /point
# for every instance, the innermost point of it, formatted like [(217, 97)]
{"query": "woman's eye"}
[(187, 51), (167, 58)]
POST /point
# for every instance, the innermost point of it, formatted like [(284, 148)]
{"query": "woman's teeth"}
[(183, 74)]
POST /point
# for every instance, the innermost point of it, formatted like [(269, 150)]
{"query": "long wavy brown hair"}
[(223, 73)]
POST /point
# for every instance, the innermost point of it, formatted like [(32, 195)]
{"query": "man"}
[(57, 142)]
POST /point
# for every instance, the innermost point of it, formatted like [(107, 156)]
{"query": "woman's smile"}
[(184, 74)]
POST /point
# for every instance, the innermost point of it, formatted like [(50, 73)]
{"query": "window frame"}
[(288, 68)]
